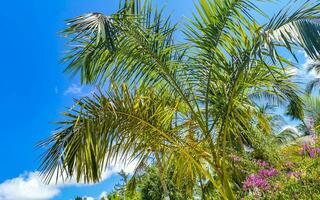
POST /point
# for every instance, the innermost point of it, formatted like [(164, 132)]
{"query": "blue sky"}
[(34, 89)]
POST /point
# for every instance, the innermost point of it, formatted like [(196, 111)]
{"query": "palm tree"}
[(281, 131), (312, 116), (287, 135), (311, 122), (185, 104)]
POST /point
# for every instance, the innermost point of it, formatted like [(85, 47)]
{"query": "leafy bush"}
[(296, 178)]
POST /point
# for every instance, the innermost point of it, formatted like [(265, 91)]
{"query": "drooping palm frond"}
[(109, 128), (288, 134), (312, 119), (296, 27), (313, 67), (105, 46), (311, 85), (124, 46), (312, 106), (144, 51)]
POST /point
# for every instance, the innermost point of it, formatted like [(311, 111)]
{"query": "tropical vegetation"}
[(189, 101)]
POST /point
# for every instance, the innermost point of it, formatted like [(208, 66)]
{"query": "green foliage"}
[(121, 191), (150, 187)]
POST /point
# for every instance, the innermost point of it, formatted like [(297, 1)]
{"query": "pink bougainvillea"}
[(255, 181), (268, 172)]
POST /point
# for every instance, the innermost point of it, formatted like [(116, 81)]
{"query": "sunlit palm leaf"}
[(299, 27)]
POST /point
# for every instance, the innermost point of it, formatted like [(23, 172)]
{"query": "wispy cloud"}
[(73, 89), (29, 186)]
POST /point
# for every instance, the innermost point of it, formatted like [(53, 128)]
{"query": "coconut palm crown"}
[(185, 102)]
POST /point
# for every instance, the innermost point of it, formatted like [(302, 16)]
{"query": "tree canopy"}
[(184, 105)]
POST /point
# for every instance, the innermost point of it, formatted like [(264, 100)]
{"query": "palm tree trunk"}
[(162, 178)]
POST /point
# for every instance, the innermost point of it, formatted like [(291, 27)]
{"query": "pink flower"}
[(312, 153), (268, 172), (262, 163), (255, 181), (305, 148)]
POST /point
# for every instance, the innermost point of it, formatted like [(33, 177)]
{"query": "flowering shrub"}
[(308, 150), (297, 178), (259, 183), (254, 181)]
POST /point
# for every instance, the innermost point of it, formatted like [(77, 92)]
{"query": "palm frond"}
[(298, 27), (109, 128), (287, 135), (313, 84)]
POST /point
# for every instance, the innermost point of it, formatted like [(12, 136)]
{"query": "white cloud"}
[(103, 194), (29, 186), (117, 167), (308, 61), (74, 89), (78, 90), (88, 198)]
